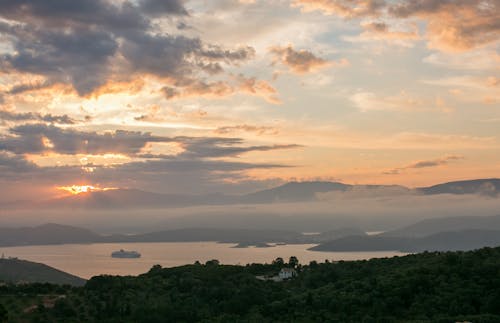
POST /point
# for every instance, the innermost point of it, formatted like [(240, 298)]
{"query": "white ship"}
[(125, 254)]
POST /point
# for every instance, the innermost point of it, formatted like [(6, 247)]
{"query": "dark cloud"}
[(201, 159), (90, 43), (425, 164), (75, 14), (11, 164), (32, 116), (81, 58), (161, 7), (26, 87), (222, 147), (40, 138)]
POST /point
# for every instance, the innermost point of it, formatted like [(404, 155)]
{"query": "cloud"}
[(200, 160), (238, 84), (10, 164), (454, 25), (33, 116), (161, 7), (368, 101), (425, 164), (259, 130), (342, 8), (41, 138), (300, 61), (94, 43), (35, 139), (451, 26)]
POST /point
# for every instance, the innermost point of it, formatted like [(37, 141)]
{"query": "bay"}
[(87, 260)]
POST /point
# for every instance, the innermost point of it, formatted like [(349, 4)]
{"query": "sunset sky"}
[(234, 96)]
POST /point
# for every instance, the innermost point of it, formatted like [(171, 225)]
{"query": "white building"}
[(286, 273)]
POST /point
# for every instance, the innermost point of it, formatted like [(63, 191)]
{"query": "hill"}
[(293, 192), (459, 223), (46, 234), (489, 186), (13, 270), (442, 241), (427, 287)]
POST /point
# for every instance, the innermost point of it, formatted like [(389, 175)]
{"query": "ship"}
[(125, 254)]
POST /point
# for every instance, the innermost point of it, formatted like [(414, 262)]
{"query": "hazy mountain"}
[(289, 192), (293, 191), (46, 234), (364, 243), (219, 235), (442, 241), (60, 234), (490, 186), (432, 226), (13, 270)]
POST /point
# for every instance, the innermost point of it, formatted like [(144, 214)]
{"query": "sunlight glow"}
[(78, 189)]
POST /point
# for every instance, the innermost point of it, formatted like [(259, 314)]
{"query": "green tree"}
[(213, 262), (4, 315), (278, 261)]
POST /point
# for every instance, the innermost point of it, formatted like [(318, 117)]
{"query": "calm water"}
[(87, 260)]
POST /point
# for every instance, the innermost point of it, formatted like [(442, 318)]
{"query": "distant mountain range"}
[(432, 226), (489, 186), (452, 233), (46, 234), (289, 193), (62, 234), (442, 241), (13, 270)]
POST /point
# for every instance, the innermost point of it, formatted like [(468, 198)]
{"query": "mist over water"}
[(375, 212)]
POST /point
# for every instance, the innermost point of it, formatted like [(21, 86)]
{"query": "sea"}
[(87, 260)]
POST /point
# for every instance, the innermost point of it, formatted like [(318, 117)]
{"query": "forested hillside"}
[(426, 287)]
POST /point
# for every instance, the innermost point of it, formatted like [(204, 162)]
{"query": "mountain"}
[(289, 192), (490, 186), (46, 234), (62, 234), (208, 234), (433, 226), (13, 270), (293, 192), (442, 241)]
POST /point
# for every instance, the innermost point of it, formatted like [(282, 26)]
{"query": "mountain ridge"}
[(290, 192)]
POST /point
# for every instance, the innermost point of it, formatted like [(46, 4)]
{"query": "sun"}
[(78, 189)]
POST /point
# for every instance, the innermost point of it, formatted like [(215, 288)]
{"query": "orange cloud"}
[(259, 130), (220, 89), (452, 26), (342, 8), (301, 61)]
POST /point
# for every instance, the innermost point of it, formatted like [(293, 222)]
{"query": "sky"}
[(234, 96)]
